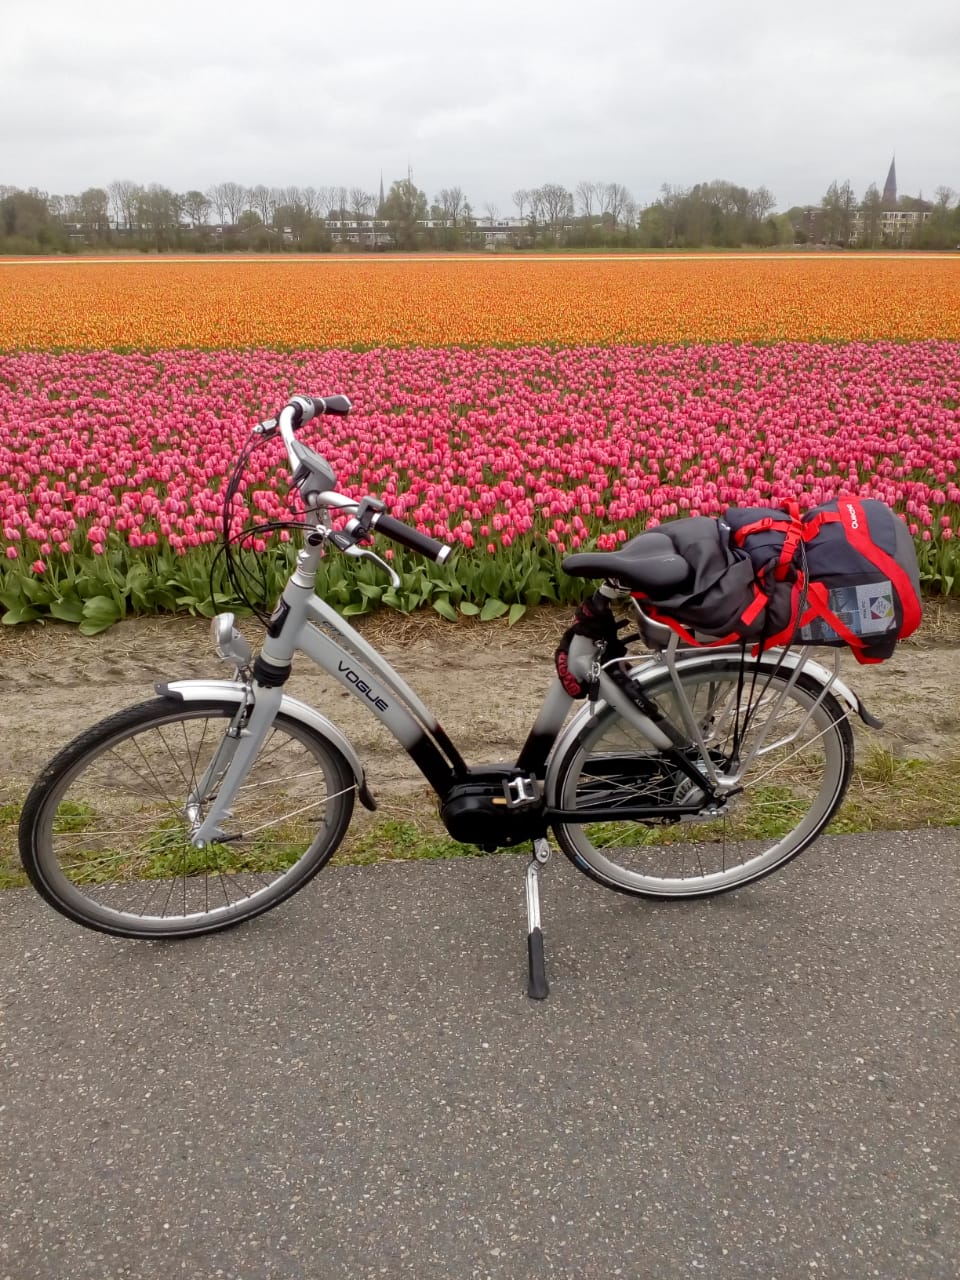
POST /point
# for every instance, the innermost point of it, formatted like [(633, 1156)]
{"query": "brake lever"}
[(361, 553)]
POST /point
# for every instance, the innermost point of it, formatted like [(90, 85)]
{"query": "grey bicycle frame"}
[(305, 623)]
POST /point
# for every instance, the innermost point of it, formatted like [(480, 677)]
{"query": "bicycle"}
[(687, 772)]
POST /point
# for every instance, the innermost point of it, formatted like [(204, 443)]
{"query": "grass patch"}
[(12, 874), (885, 794), (888, 794), (399, 839), (168, 852)]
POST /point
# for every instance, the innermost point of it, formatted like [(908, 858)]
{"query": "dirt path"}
[(484, 681)]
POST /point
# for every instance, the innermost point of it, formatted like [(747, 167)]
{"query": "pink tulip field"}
[(112, 466)]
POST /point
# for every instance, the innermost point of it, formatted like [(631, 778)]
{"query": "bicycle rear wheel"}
[(105, 832), (790, 790)]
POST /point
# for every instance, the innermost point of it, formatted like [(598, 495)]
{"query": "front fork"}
[(231, 763), (250, 726)]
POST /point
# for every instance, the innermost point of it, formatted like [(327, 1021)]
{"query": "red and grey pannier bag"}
[(850, 567)]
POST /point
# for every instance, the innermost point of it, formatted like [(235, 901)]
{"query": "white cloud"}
[(490, 98)]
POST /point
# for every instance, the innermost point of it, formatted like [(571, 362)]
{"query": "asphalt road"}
[(766, 1085)]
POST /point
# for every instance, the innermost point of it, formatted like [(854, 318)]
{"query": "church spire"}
[(381, 204), (890, 186)]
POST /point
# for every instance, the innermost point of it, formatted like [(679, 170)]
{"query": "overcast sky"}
[(489, 96)]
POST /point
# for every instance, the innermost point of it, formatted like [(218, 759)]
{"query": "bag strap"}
[(792, 528), (798, 598), (747, 618), (758, 526), (813, 525), (790, 543), (854, 520)]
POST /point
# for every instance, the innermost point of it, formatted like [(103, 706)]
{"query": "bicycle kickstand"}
[(538, 987)]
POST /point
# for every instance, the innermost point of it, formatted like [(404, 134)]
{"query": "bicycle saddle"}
[(646, 563)]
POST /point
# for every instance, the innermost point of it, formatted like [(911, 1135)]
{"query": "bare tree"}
[(945, 197), (555, 202), (261, 202), (123, 195), (218, 198), (312, 200), (521, 198), (762, 202), (451, 201), (671, 201), (586, 192), (621, 201), (234, 199), (492, 211), (290, 197), (848, 205), (290, 211), (614, 198), (360, 202)]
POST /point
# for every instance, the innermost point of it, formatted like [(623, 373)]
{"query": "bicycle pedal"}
[(521, 792)]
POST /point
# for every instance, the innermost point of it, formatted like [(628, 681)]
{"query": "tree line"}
[(229, 216)]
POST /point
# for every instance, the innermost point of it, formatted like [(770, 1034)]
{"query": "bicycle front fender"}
[(234, 691)]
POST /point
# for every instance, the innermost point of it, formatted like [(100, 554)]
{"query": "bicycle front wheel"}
[(792, 742), (105, 832)]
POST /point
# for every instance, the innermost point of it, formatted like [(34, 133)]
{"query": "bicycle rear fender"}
[(648, 670), (233, 691), (788, 661)]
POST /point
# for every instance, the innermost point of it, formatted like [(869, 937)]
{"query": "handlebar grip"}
[(338, 405), (412, 538), (309, 407)]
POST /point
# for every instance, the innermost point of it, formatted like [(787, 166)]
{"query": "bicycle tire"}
[(609, 762), (84, 871)]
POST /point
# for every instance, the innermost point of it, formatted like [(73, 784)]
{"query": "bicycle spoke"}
[(781, 745), (120, 843)]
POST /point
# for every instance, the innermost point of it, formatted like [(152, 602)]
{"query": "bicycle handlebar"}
[(306, 408), (407, 536), (303, 409)]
